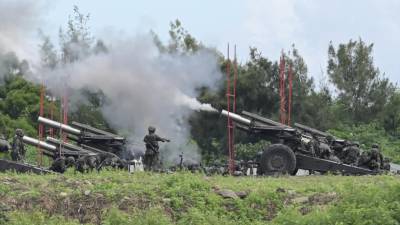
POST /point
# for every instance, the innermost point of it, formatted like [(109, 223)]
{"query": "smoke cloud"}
[(144, 87), (19, 22)]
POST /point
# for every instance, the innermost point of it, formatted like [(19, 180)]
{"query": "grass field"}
[(116, 197)]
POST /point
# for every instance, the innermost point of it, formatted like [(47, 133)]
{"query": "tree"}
[(360, 86), (76, 42), (391, 119), (48, 54), (10, 65), (180, 39)]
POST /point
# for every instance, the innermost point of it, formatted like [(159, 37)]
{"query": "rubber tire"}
[(285, 156), (295, 172)]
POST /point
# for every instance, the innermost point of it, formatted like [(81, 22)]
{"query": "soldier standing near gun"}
[(18, 149), (151, 156)]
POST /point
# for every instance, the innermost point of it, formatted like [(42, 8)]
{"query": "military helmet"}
[(19, 132), (330, 138), (375, 145), (70, 160), (152, 129)]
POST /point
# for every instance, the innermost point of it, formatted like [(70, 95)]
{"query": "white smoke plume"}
[(19, 23), (144, 87)]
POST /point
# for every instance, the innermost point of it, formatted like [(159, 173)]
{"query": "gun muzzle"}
[(236, 117), (58, 125)]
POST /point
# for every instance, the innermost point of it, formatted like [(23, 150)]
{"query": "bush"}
[(249, 151), (368, 134)]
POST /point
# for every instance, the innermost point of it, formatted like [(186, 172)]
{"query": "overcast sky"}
[(269, 25)]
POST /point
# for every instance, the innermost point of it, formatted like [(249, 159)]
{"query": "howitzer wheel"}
[(278, 158)]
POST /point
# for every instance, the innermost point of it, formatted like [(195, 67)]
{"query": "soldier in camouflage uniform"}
[(372, 159), (151, 156), (4, 145), (58, 165), (18, 148), (80, 165), (386, 164), (86, 163), (376, 158), (61, 164), (351, 154)]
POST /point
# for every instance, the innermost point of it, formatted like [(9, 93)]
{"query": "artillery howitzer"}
[(86, 137), (88, 141), (17, 166), (84, 140), (291, 148), (53, 147)]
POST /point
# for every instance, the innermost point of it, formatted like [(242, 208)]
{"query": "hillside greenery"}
[(116, 197)]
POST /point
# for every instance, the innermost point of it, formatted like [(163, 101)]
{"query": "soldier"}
[(18, 148), (151, 156), (376, 160), (91, 162), (122, 164), (386, 164), (372, 159), (110, 160), (4, 145), (364, 159), (80, 165), (86, 163), (323, 151), (70, 161), (336, 146), (59, 165), (351, 154)]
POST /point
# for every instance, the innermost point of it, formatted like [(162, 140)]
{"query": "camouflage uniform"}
[(323, 151), (351, 154), (372, 160), (386, 164), (80, 165), (107, 159), (4, 145), (58, 165), (86, 163), (364, 159), (335, 146), (376, 158), (18, 147), (151, 156)]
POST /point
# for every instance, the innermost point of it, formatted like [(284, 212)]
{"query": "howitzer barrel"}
[(36, 142), (58, 125), (68, 146), (263, 120), (310, 130), (236, 117)]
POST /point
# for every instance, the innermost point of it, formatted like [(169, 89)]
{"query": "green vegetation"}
[(367, 134), (116, 197)]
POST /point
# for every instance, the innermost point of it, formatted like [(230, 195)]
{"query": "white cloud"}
[(19, 24)]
